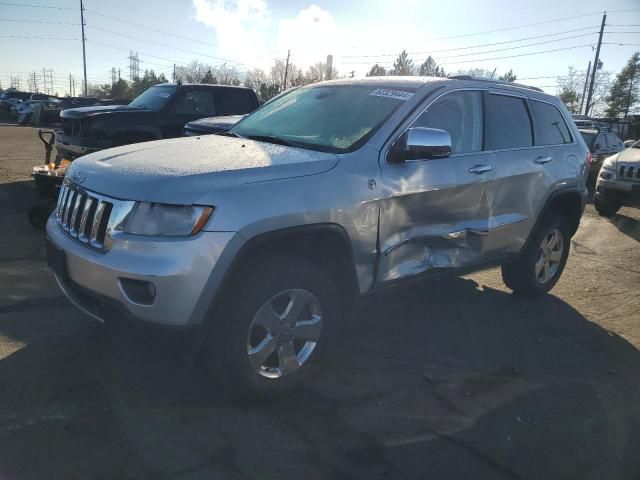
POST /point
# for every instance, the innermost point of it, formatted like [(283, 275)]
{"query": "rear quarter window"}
[(507, 123), (235, 102), (551, 128)]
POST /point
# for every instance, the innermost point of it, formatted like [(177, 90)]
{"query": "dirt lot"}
[(449, 379)]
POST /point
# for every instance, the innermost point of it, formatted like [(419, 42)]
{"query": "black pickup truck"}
[(159, 112)]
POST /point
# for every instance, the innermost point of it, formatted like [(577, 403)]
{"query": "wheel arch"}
[(327, 245), (567, 201)]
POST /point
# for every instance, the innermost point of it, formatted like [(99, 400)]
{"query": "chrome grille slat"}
[(74, 215), (66, 222), (95, 227), (84, 215), (82, 234)]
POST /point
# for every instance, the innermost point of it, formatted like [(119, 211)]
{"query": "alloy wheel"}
[(549, 256), (284, 333)]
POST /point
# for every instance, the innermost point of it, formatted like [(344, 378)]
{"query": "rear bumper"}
[(185, 275)]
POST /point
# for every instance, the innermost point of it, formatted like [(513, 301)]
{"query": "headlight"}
[(158, 219)]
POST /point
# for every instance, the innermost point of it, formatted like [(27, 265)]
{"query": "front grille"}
[(73, 127), (629, 172), (83, 215)]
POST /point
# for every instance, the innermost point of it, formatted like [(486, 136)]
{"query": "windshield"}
[(589, 138), (154, 98), (332, 118)]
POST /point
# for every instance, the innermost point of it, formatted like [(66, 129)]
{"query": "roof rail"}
[(501, 82)]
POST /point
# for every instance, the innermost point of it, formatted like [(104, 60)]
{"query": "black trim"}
[(272, 237), (545, 209)]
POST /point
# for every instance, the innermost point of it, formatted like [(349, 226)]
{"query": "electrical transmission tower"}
[(134, 66)]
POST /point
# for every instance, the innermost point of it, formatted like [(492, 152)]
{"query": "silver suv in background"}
[(266, 236), (619, 182)]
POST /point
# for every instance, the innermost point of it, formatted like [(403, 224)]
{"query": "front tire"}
[(605, 208), (279, 315), (539, 267)]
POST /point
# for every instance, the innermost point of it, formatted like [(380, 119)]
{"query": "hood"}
[(629, 155), (86, 112), (215, 123), (180, 170)]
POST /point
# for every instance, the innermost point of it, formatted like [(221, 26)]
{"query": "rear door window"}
[(507, 123), (197, 102), (460, 114), (551, 128), (230, 101)]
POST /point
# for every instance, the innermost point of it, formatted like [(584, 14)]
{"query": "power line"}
[(152, 28), (39, 38), (163, 44), (19, 20), (473, 46), (35, 6), (519, 55)]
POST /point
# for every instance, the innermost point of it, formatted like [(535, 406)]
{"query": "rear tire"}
[(605, 208), (538, 268), (244, 330)]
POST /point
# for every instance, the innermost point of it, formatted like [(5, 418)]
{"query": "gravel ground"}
[(454, 378)]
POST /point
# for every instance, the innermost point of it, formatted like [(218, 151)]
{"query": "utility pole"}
[(70, 91), (595, 66), (44, 81), (84, 53), (584, 90), (51, 81), (119, 77), (113, 76), (35, 81), (73, 80), (286, 70)]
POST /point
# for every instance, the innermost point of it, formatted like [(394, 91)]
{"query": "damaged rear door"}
[(434, 213)]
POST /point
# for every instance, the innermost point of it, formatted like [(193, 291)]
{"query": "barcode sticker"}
[(397, 94)]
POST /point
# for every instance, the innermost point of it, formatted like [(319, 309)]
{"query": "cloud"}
[(311, 36), (240, 28)]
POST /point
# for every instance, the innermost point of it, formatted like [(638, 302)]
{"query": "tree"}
[(430, 68), (209, 78), (148, 80), (377, 71), (509, 76), (476, 72), (625, 91), (403, 65), (570, 89)]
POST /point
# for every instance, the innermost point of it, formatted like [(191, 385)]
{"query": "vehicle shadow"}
[(627, 225), (443, 379)]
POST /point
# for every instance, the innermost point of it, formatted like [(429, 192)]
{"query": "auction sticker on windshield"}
[(397, 94)]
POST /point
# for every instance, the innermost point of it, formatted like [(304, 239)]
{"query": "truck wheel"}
[(539, 267), (279, 316), (605, 208)]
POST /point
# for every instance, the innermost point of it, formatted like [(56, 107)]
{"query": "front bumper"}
[(186, 274), (73, 147), (623, 192)]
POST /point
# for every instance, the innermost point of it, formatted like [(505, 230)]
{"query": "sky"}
[(251, 34)]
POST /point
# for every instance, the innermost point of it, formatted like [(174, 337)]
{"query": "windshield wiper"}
[(272, 139), (227, 133)]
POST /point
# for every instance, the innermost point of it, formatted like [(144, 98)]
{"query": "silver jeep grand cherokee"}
[(267, 235)]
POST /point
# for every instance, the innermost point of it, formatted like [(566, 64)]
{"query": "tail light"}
[(588, 160)]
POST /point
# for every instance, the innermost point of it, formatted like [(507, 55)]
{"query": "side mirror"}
[(420, 143)]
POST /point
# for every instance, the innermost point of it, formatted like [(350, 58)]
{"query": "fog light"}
[(138, 291), (605, 175)]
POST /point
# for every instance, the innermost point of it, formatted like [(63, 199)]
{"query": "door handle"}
[(542, 160), (480, 169)]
